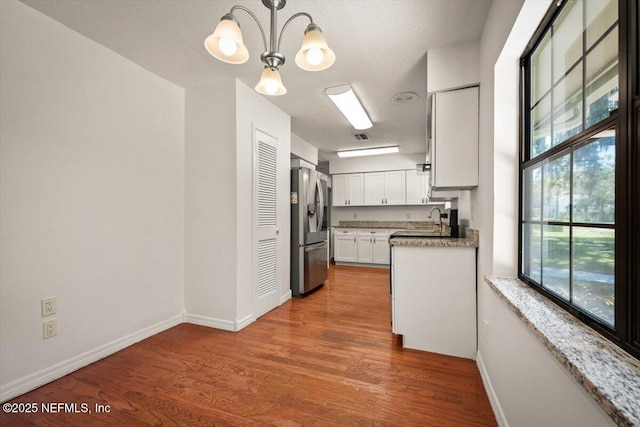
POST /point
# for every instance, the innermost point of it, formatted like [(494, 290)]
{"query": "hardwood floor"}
[(327, 359)]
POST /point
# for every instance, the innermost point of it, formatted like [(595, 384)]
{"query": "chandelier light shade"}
[(270, 83), (314, 54), (226, 44)]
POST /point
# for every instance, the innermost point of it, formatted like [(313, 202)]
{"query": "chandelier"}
[(226, 45)]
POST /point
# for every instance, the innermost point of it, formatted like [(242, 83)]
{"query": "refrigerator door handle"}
[(315, 246), (320, 209)]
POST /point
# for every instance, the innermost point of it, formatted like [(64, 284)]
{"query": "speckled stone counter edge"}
[(402, 225), (471, 240), (609, 374)]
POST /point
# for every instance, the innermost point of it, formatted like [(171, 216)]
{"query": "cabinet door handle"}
[(374, 240), (354, 240), (370, 239)]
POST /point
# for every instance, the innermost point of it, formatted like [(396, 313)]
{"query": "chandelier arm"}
[(287, 23), (264, 38)]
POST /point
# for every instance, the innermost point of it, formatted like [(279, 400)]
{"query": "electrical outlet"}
[(49, 306), (355, 216), (408, 215), (49, 328)]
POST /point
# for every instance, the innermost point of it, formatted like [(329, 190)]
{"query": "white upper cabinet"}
[(394, 188), (453, 139), (348, 189), (374, 188), (384, 188), (339, 190), (417, 188)]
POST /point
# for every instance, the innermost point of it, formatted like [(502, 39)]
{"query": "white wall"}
[(210, 202), (303, 149), (91, 196), (387, 162), (381, 213), (453, 67), (254, 111), (220, 171), (532, 388), (525, 383)]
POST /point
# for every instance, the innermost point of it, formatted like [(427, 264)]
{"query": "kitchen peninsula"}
[(434, 293)]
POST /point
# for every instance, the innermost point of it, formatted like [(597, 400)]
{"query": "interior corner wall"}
[(303, 149), (500, 19), (210, 204), (254, 111), (91, 199)]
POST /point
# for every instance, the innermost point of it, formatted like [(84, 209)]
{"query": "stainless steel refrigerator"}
[(309, 237)]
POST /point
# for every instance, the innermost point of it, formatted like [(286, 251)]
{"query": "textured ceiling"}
[(380, 47)]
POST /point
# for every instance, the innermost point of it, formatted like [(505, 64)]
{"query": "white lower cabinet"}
[(434, 298), (364, 246), (373, 246), (381, 251), (345, 245)]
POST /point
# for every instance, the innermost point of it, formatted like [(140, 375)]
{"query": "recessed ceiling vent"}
[(361, 136), (404, 97)]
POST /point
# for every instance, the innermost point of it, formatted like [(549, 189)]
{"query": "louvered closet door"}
[(266, 191)]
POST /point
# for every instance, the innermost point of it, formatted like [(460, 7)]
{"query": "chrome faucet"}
[(439, 216)]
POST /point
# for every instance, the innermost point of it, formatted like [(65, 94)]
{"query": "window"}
[(575, 188)]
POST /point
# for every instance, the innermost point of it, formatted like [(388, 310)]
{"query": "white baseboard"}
[(211, 322), (286, 297), (225, 325), (493, 398), (244, 322), (360, 264), (44, 376)]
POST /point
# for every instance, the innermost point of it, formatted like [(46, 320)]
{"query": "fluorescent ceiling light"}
[(350, 106), (368, 151)]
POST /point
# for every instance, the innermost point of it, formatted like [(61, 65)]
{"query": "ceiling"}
[(380, 47)]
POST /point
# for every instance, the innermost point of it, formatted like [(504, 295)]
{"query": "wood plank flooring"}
[(328, 359)]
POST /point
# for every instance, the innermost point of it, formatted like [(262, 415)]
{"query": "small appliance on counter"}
[(450, 218), (309, 236)]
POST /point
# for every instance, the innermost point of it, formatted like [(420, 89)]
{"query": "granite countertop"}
[(470, 241), (609, 374), (401, 225)]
